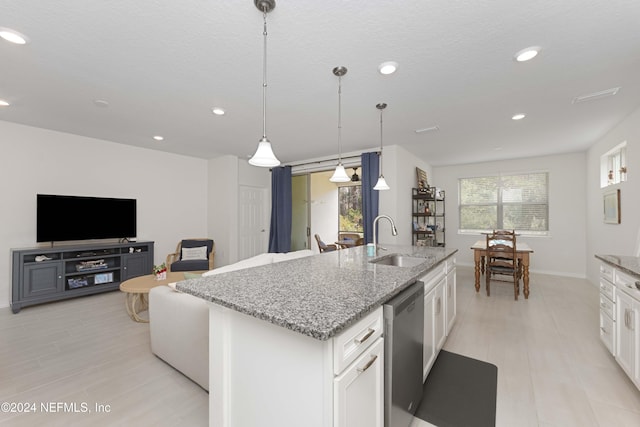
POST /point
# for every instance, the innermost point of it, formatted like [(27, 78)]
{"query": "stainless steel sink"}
[(398, 260)]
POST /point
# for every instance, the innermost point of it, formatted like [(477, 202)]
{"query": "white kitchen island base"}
[(262, 374)]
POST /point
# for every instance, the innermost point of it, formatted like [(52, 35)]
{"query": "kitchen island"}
[(286, 339)]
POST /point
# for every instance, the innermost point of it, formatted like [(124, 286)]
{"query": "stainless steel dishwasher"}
[(403, 336)]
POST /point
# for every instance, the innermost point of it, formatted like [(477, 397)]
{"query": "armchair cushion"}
[(199, 253)]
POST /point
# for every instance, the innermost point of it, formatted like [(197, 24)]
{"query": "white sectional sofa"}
[(179, 323)]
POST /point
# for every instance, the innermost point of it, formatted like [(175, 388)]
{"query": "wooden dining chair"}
[(502, 260)]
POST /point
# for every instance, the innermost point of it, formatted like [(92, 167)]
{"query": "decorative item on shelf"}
[(264, 156), (623, 173), (422, 180), (91, 265), (339, 175), (427, 211), (160, 271)]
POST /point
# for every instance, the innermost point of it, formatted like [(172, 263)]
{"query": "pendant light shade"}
[(382, 183), (264, 156), (340, 175)]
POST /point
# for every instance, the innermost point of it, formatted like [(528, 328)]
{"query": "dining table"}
[(522, 253)]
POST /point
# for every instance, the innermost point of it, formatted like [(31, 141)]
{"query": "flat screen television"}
[(64, 218)]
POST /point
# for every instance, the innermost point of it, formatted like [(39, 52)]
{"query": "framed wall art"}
[(611, 206)]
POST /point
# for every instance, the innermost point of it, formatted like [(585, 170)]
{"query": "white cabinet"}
[(359, 368), (267, 375), (607, 308), (439, 311), (628, 325), (429, 351), (359, 390), (450, 296)]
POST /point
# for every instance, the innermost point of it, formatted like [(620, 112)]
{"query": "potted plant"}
[(160, 271)]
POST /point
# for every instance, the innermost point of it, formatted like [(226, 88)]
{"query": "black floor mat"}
[(459, 392)]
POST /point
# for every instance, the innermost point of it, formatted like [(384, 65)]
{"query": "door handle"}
[(368, 365), (365, 337)]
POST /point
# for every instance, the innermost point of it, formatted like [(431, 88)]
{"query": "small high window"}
[(613, 166)]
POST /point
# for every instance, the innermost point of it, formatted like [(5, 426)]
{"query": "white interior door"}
[(252, 222)]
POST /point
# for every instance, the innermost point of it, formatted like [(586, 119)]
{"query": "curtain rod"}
[(318, 162)]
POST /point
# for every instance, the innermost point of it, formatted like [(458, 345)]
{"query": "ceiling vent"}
[(431, 129), (595, 96)]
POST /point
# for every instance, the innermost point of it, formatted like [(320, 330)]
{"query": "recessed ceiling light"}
[(217, 111), (158, 138), (596, 95), (388, 67), (518, 116), (13, 36), (4, 103), (527, 54)]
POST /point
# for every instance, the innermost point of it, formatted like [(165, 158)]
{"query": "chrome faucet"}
[(394, 230)]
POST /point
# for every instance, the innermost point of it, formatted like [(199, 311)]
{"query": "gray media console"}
[(49, 274)]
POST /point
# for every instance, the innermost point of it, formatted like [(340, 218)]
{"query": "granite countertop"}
[(319, 295), (629, 264)]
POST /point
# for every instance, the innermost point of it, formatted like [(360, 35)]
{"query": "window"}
[(350, 209), (613, 166), (510, 202)]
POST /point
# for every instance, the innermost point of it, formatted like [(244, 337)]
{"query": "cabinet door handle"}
[(604, 331), (365, 337), (368, 365), (438, 305)]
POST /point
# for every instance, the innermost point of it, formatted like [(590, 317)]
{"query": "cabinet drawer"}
[(607, 332), (351, 343), (606, 271), (607, 289), (607, 307), (434, 276), (627, 283), (451, 264)]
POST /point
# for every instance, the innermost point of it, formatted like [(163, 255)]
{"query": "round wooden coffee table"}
[(138, 288)]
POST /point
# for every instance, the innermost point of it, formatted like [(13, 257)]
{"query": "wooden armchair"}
[(323, 246), (502, 259), (192, 255)]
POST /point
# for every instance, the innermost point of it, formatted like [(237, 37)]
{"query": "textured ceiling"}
[(162, 65)]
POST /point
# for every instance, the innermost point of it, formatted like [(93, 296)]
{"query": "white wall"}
[(226, 175), (614, 239), (399, 168), (171, 190), (324, 209), (563, 251)]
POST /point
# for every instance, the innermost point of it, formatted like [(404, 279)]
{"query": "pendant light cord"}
[(264, 77), (339, 120), (380, 141)]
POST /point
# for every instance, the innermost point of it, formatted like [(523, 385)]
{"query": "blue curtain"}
[(280, 230), (370, 173)]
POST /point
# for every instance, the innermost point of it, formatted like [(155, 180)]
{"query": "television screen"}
[(63, 218)]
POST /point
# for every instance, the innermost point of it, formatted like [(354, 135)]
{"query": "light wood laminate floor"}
[(552, 368)]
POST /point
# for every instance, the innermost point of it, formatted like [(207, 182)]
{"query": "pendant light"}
[(264, 156), (382, 183), (340, 175)]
